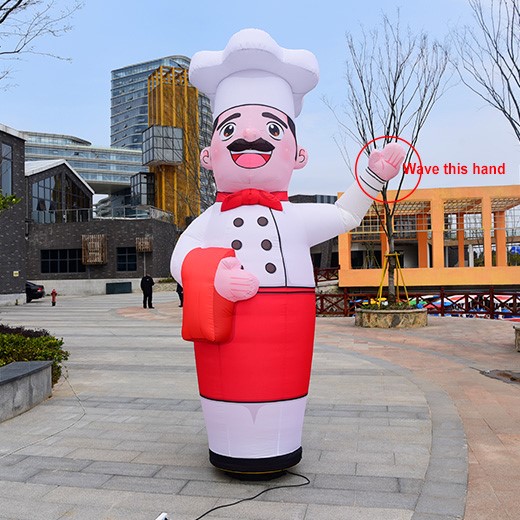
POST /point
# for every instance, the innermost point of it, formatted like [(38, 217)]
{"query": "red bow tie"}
[(251, 197)]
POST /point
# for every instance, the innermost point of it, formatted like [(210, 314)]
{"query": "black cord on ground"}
[(307, 482)]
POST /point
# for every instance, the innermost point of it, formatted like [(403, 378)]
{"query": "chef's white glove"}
[(386, 163), (232, 282)]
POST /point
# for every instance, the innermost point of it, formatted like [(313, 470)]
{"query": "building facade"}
[(76, 249), (107, 170), (13, 230), (130, 113), (129, 100), (465, 238)]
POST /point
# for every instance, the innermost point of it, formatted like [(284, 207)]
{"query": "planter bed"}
[(386, 319), (23, 385)]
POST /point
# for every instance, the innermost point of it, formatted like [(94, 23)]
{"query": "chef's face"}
[(253, 147)]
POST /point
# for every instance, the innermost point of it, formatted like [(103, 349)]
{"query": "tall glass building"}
[(129, 102)]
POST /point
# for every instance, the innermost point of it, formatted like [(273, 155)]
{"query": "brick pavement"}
[(383, 437)]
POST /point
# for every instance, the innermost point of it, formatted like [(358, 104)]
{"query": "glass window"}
[(6, 169), (61, 261), (126, 259)]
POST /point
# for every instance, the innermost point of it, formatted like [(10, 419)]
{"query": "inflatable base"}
[(256, 477), (256, 469)]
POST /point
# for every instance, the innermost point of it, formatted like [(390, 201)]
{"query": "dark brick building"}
[(67, 244), (12, 221), (55, 251), (52, 236)]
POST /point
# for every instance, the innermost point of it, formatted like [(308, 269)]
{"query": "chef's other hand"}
[(387, 162), (232, 282)]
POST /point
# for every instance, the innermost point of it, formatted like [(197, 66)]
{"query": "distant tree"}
[(489, 56), (394, 77), (23, 22)]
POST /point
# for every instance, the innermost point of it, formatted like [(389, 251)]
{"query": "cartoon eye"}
[(275, 130), (227, 131)]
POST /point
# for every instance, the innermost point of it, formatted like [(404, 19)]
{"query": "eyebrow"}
[(229, 118), (276, 118)]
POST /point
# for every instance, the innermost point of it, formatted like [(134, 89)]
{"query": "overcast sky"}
[(74, 98)]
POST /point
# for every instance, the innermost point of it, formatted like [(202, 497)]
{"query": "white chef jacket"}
[(275, 245)]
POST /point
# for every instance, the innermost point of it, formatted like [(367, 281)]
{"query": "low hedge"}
[(21, 344)]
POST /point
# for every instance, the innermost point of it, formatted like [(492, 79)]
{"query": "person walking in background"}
[(53, 297), (147, 284), (180, 292)]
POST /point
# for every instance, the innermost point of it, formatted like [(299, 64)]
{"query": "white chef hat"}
[(254, 69)]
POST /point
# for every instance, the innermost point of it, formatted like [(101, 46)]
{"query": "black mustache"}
[(260, 144)]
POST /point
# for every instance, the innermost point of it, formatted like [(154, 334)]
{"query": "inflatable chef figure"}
[(245, 264)]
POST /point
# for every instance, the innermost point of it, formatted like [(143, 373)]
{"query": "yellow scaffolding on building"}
[(173, 102)]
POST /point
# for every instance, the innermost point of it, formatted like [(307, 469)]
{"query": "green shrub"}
[(166, 280), (31, 345), (22, 331)]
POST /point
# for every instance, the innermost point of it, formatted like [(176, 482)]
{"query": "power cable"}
[(283, 486)]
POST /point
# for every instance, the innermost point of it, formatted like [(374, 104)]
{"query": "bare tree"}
[(489, 56), (23, 22), (394, 78)]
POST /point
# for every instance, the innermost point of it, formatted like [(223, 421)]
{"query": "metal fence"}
[(491, 303), (326, 274)]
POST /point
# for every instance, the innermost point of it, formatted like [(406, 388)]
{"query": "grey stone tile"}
[(206, 473), (444, 489), (391, 470), (22, 509), (54, 463), (26, 491), (87, 497), (17, 474), (130, 469), (10, 460), (145, 485), (308, 495), (428, 516), (357, 483), (441, 475), (386, 500), (260, 511), (322, 512), (69, 478), (47, 451), (410, 485), (104, 455), (440, 505)]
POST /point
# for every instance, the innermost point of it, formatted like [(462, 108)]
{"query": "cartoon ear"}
[(301, 159), (205, 158)]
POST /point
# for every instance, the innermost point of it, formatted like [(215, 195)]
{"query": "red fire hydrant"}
[(53, 297)]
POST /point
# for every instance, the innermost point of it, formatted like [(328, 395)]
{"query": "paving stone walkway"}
[(386, 435)]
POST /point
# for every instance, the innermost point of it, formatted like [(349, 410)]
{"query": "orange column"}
[(460, 238), (486, 230), (345, 259), (437, 218), (500, 238), (422, 239), (344, 251)]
